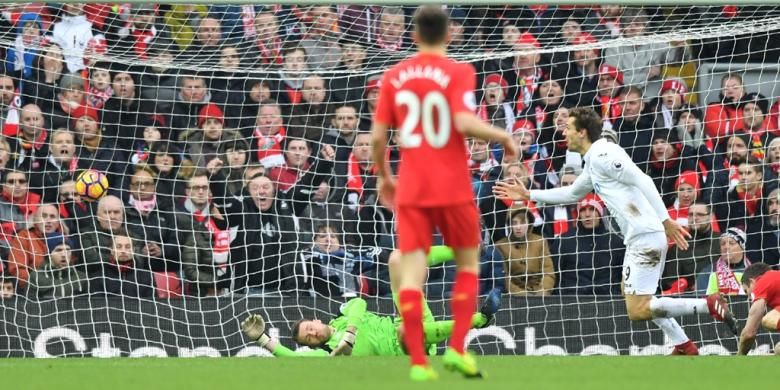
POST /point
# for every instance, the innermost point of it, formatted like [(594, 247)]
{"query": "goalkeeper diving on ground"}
[(361, 333)]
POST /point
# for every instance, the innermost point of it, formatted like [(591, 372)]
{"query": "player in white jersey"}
[(634, 202)]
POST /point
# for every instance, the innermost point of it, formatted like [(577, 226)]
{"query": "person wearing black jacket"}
[(123, 274)]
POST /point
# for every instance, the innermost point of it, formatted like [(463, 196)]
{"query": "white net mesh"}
[(234, 139)]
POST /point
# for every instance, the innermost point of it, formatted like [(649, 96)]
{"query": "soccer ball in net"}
[(92, 184)]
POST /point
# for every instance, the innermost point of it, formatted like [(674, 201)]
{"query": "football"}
[(92, 184)]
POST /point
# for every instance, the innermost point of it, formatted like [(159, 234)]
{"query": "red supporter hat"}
[(585, 38), (495, 78), (523, 125), (674, 85), (371, 84), (690, 178), (611, 71), (591, 200), (527, 38), (83, 110), (210, 110)]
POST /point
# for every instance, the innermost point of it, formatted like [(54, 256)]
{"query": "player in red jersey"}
[(763, 286), (429, 99)]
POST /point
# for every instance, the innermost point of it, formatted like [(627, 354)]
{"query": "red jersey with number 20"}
[(419, 98), (768, 287)]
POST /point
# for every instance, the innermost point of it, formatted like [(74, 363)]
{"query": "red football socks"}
[(464, 302), (410, 302)]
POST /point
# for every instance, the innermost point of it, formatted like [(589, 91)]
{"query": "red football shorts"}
[(458, 225)]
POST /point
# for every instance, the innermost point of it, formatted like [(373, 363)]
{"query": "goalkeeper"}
[(360, 333)]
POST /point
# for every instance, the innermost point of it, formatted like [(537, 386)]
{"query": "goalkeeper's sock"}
[(410, 303), (464, 302), (438, 331), (672, 330), (666, 307), (427, 313), (440, 254)]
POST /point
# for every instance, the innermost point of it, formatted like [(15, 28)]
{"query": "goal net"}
[(235, 142)]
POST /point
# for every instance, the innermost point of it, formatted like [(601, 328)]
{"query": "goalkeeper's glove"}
[(346, 343), (254, 328)]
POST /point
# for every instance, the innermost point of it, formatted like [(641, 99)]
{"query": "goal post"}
[(235, 141)]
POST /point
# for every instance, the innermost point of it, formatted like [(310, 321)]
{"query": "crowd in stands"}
[(236, 142)]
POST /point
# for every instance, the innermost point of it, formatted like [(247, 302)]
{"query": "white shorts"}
[(644, 263)]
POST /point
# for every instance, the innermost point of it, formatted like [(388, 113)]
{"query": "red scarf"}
[(389, 46), (123, 268), (295, 95), (751, 199), (96, 98), (727, 280), (270, 54), (11, 124), (355, 175), (37, 144), (271, 145), (560, 225), (610, 108), (220, 239), (527, 86), (28, 205), (668, 164), (141, 40)]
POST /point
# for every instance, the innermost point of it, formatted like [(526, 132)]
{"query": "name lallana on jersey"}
[(433, 73)]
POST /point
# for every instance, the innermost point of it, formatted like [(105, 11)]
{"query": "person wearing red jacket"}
[(725, 117)]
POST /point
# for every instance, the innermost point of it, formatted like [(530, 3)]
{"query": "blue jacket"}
[(29, 54)]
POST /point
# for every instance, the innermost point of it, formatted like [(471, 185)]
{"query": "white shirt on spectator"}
[(72, 34)]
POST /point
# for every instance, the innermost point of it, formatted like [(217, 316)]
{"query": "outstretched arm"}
[(748, 337), (517, 191), (254, 328)]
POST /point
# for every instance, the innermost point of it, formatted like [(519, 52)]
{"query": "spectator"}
[(256, 90), (158, 81), (687, 190), (70, 97), (267, 245), (744, 200), (335, 270), (72, 33), (526, 256), (668, 159), (42, 88), (31, 144), (391, 29), (308, 118), (287, 88), (527, 74), (265, 47), (669, 104), (297, 153), (481, 163), (763, 232), (144, 218), (552, 139), (321, 39), (108, 221), (343, 130), (347, 83), (61, 276), (97, 152), (235, 153), (725, 175), (126, 113), (99, 86), (640, 63), (583, 70), (7, 286), (772, 160), (690, 131), (609, 19), (28, 248), (152, 134), (360, 172), (5, 156), (9, 106), (493, 209), (193, 96), (123, 274), (165, 161), (588, 258), (141, 33), (754, 110), (370, 94), (547, 98), (493, 108), (204, 239), (20, 59), (725, 274), (559, 219), (61, 165), (203, 144), (634, 128), (459, 40), (682, 266), (723, 117), (325, 206), (183, 21), (205, 48), (609, 94), (17, 197), (268, 135), (67, 200)]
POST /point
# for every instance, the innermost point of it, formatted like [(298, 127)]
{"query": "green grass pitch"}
[(505, 373)]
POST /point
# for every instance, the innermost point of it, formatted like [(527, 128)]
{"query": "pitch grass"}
[(505, 373)]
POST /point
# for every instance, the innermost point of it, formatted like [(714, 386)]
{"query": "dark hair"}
[(755, 164), (633, 90), (431, 24), (296, 328), (706, 205), (753, 271), (8, 278), (289, 47), (586, 118), (728, 76)]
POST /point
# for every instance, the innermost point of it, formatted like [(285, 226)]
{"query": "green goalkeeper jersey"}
[(376, 335)]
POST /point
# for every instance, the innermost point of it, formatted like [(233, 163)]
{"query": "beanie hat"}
[(496, 78), (81, 111), (527, 38), (70, 81), (674, 85), (611, 71), (737, 234), (757, 99), (591, 200), (524, 125), (210, 110), (372, 83), (55, 239), (690, 178)]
